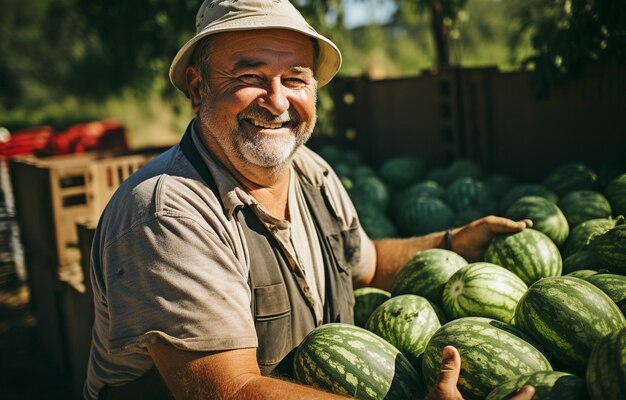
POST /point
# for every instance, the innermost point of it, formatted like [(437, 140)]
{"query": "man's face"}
[(258, 104)]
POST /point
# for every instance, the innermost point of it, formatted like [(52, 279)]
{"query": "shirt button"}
[(319, 322)]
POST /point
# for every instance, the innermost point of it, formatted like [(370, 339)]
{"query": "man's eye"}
[(250, 78), (295, 81)]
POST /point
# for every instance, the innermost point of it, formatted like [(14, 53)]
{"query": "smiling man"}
[(214, 261)]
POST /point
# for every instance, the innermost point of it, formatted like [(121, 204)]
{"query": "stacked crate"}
[(52, 196)]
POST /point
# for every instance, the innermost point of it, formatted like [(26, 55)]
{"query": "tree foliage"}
[(567, 34)]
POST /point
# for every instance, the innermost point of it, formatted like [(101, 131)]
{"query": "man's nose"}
[(274, 99)]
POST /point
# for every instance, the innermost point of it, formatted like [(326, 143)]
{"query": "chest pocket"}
[(272, 319), (345, 246)]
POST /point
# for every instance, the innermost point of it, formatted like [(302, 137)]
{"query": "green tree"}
[(567, 34)]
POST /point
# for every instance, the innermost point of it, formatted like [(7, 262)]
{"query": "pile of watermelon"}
[(546, 306)]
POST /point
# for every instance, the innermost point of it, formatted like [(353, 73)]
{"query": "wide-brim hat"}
[(215, 16)]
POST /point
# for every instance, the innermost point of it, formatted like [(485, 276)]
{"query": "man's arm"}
[(231, 374), (470, 241), (234, 374)]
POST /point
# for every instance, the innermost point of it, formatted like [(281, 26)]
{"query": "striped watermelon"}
[(529, 254), (583, 205), (423, 215), (466, 194), (492, 353), (615, 191), (426, 273), (351, 361), (366, 299), (546, 216), (581, 260), (463, 169), (610, 248), (497, 185), (569, 177), (375, 222), (606, 371), (483, 290), (583, 273), (612, 284), (549, 385), (526, 189), (578, 238), (407, 322), (567, 316), (369, 190), (427, 188), (400, 172), (438, 175)]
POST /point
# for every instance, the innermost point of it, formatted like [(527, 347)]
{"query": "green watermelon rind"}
[(547, 217), (483, 289), (426, 274), (606, 370), (567, 316), (610, 249), (407, 322), (581, 234), (547, 384), (584, 205), (492, 353), (529, 254), (351, 361), (366, 300)]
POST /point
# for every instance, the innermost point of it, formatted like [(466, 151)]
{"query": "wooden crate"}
[(51, 196)]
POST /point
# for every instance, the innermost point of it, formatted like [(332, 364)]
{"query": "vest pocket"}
[(345, 246), (272, 319)]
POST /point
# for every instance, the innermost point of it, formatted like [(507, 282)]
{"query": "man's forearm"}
[(262, 387), (393, 254)]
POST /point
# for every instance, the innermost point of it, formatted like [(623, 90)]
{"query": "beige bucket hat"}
[(216, 16)]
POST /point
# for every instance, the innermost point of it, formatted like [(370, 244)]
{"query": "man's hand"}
[(445, 387), (471, 241)]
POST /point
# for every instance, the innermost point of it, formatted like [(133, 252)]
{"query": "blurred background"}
[(478, 87), (69, 61)]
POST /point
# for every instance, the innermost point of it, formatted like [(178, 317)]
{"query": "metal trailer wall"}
[(495, 118)]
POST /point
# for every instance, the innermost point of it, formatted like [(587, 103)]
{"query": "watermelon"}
[(549, 385), (423, 215), (578, 238), (529, 254), (583, 205), (615, 191), (466, 193), (567, 316), (352, 157), (610, 248), (492, 353), (426, 273), (375, 222), (583, 273), (612, 284), (438, 175), (581, 260), (400, 172), (569, 177), (483, 290), (526, 189), (606, 371), (546, 216), (351, 361), (369, 190), (366, 299), (407, 322), (427, 188), (331, 153), (497, 185), (463, 168)]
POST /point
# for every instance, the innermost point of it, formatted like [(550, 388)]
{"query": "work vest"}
[(282, 304)]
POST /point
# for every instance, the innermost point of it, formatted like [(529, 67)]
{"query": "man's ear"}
[(193, 87)]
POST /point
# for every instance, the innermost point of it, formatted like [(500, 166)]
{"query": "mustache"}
[(260, 113)]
